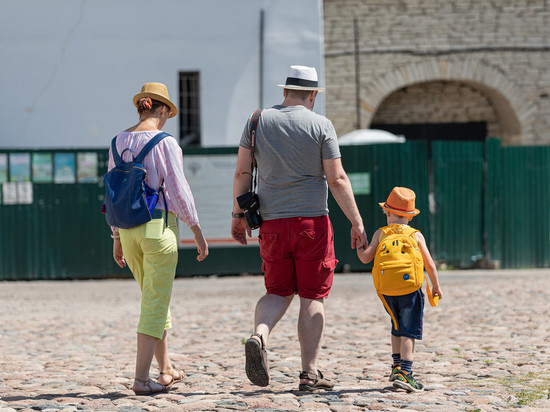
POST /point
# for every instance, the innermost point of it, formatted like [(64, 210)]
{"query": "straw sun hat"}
[(156, 91), (401, 202)]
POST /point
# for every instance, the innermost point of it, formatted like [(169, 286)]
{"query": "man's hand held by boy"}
[(358, 237)]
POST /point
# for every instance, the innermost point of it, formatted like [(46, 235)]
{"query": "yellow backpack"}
[(398, 265)]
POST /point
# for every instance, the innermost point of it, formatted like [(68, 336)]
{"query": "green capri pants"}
[(151, 253)]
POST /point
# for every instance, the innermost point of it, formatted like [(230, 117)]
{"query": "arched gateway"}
[(499, 102)]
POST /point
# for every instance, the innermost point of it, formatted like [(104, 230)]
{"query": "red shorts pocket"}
[(330, 263), (268, 246)]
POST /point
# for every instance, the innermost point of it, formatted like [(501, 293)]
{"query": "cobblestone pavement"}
[(71, 346)]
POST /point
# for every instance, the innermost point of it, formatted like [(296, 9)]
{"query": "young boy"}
[(405, 310)]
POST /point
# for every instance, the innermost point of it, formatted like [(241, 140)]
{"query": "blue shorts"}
[(408, 311)]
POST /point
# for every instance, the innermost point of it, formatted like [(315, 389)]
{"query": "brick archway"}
[(514, 112)]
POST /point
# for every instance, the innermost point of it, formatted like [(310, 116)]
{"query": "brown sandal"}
[(150, 392), (174, 379), (319, 382)]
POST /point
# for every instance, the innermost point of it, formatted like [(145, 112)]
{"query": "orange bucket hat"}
[(401, 202)]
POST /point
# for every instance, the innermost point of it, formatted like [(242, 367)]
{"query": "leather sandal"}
[(319, 382), (256, 361), (151, 391), (174, 380)]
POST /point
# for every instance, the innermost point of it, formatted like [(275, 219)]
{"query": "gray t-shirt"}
[(291, 142)]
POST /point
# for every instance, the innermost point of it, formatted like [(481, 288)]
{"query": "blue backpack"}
[(129, 202)]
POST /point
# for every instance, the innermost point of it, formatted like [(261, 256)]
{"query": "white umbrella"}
[(369, 136)]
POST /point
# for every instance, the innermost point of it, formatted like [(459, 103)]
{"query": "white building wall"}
[(69, 69)]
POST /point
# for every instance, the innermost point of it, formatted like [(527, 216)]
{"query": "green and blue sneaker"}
[(394, 372), (406, 381)]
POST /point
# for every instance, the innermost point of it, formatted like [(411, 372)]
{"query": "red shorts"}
[(298, 256)]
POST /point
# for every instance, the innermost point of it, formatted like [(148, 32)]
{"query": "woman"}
[(151, 249)]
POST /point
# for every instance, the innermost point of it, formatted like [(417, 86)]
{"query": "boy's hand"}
[(360, 248), (436, 291)]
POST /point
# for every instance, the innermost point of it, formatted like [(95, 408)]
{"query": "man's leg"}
[(269, 311), (311, 324)]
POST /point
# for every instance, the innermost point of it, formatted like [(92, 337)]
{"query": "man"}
[(297, 155)]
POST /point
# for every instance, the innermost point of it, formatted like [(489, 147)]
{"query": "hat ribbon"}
[(401, 210), (294, 81)]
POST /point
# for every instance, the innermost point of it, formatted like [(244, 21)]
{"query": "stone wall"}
[(492, 55)]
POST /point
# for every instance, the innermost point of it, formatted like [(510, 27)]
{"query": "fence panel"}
[(458, 176), (525, 206)]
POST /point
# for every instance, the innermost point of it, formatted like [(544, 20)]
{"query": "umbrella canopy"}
[(370, 136)]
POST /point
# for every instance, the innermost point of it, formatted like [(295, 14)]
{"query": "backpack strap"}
[(161, 189), (385, 232), (141, 156), (150, 144), (433, 301), (409, 231), (116, 156), (383, 299)]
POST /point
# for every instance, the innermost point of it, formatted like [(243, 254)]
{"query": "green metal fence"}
[(61, 234), (489, 205), (517, 205)]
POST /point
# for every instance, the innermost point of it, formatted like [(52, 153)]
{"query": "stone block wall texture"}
[(428, 61)]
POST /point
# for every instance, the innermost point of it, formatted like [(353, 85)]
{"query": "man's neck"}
[(295, 102)]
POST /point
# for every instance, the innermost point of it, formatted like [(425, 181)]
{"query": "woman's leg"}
[(159, 264), (153, 262), (165, 364), (146, 346)]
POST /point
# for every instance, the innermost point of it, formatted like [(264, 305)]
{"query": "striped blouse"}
[(164, 161)]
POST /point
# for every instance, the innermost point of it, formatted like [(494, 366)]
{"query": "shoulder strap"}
[(116, 156), (384, 232), (150, 144), (253, 127), (409, 231)]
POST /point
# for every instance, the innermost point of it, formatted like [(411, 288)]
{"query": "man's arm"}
[(340, 187), (241, 185)]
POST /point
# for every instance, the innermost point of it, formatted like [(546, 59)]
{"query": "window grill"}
[(189, 109)]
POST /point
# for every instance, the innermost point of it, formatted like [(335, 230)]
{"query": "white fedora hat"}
[(302, 78)]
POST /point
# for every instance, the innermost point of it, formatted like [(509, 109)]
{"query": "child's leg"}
[(407, 353), (407, 348), (396, 356), (396, 349), (405, 379)]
